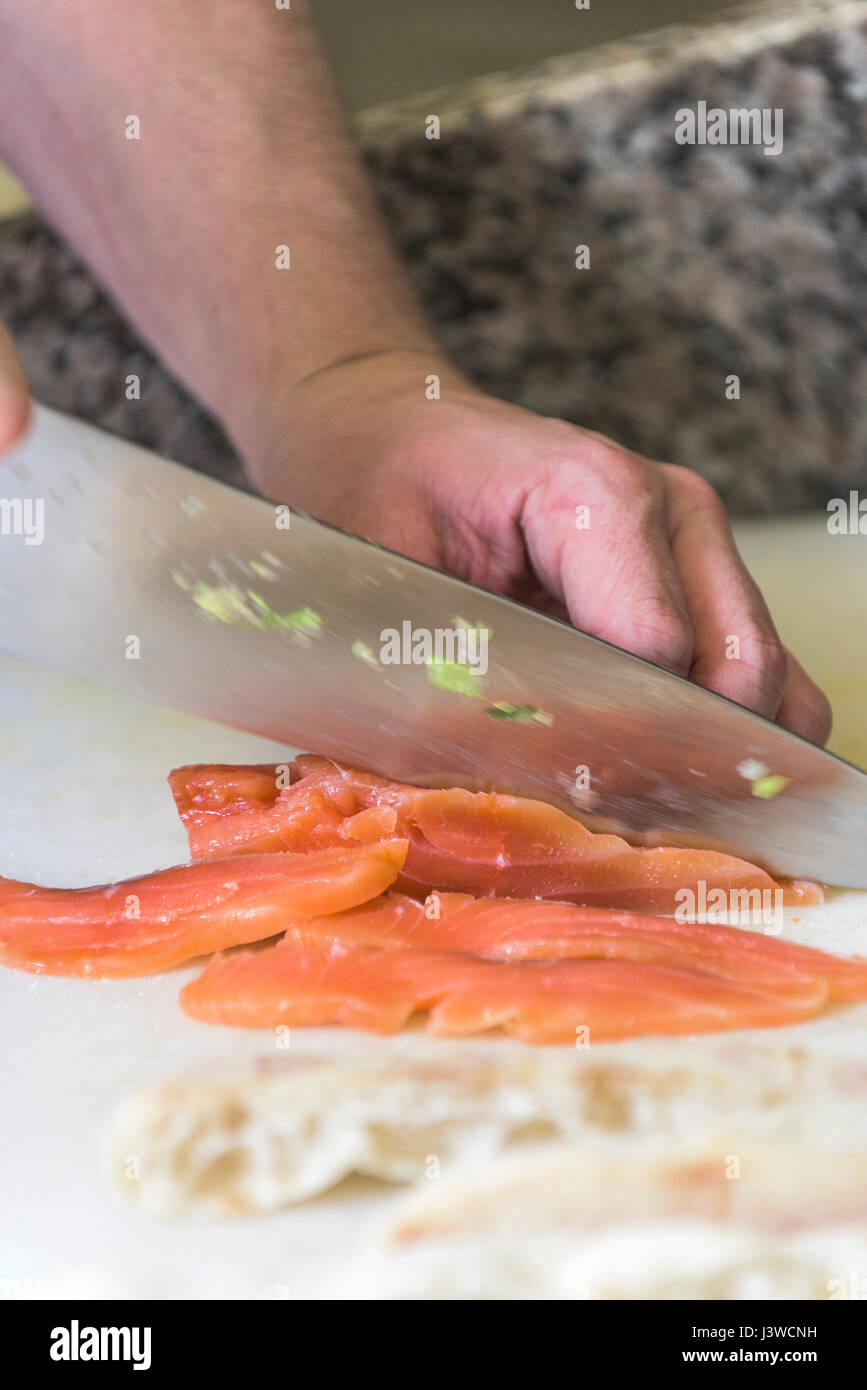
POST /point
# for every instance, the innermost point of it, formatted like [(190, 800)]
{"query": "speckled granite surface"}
[(78, 351), (705, 261)]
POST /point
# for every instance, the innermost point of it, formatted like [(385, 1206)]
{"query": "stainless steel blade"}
[(115, 589)]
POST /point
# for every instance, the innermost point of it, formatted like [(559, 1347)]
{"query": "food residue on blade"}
[(520, 714), (766, 787), (229, 603)]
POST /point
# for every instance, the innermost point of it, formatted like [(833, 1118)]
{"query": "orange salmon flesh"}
[(564, 1002), (514, 930), (150, 924), (479, 910), (484, 843)]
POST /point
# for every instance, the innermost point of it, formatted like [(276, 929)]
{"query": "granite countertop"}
[(706, 261)]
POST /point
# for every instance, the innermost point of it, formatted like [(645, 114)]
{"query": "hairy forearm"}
[(242, 148)]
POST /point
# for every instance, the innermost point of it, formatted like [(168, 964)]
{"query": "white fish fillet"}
[(568, 1191), (239, 1141)]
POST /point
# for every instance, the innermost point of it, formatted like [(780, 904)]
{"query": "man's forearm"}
[(242, 149)]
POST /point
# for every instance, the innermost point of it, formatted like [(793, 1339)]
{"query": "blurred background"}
[(382, 49)]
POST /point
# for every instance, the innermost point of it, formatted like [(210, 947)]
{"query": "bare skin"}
[(319, 372), (14, 400)]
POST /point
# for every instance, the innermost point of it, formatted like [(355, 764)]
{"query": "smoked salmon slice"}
[(243, 810), (565, 1002), (149, 924), (483, 843), (509, 929)]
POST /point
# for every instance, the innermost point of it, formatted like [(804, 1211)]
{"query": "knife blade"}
[(141, 574)]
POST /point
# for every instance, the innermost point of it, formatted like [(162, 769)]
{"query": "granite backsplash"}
[(706, 262)]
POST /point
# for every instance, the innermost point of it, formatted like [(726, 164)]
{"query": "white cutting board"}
[(83, 799)]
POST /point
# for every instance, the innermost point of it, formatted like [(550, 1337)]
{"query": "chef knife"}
[(141, 574)]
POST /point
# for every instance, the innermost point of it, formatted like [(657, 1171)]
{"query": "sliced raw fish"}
[(149, 924), (565, 1002), (514, 929), (484, 843), (243, 810)]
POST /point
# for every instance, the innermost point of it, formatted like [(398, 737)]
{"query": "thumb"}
[(14, 396)]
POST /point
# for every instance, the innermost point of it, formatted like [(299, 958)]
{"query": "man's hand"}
[(238, 155), (14, 399), (491, 492)]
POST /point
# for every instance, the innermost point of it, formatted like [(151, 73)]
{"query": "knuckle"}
[(635, 484), (822, 718), (813, 716), (767, 656), (617, 471), (614, 463), (657, 630), (615, 479), (701, 492), (669, 640)]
